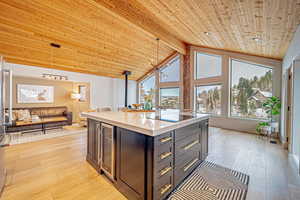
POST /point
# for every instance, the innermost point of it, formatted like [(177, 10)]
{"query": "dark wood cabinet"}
[(131, 163), (93, 144), (147, 168)]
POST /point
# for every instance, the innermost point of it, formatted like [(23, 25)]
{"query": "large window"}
[(207, 66), (251, 85), (171, 72), (147, 90), (169, 98), (208, 99)]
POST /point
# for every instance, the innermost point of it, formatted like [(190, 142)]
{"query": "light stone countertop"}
[(141, 122)]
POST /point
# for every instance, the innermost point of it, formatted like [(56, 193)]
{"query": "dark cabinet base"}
[(150, 168)]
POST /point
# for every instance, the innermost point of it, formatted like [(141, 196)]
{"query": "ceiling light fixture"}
[(207, 33), (55, 45)]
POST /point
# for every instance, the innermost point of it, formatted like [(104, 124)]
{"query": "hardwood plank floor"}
[(55, 169)]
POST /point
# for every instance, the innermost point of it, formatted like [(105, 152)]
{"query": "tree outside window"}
[(208, 99), (251, 85)]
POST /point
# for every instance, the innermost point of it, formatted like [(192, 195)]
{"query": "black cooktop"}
[(171, 117)]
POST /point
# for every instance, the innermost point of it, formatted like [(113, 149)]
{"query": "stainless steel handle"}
[(101, 144), (98, 132)]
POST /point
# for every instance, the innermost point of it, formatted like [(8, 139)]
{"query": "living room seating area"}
[(39, 119)]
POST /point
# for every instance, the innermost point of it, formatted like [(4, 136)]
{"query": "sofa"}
[(39, 118)]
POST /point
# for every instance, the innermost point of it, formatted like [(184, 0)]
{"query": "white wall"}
[(119, 93), (292, 57), (292, 52), (105, 91)]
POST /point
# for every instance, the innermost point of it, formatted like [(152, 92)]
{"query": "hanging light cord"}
[(157, 39)]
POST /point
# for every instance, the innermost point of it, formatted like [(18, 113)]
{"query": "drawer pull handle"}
[(166, 139), (165, 155), (190, 164), (165, 188), (191, 145), (165, 170)]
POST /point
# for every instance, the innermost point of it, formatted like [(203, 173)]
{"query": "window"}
[(169, 98), (147, 90), (208, 99), (171, 72), (207, 66), (251, 85)]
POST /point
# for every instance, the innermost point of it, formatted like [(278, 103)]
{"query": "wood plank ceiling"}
[(231, 24), (105, 37), (92, 39)]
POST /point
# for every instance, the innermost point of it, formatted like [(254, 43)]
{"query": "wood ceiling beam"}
[(137, 15)]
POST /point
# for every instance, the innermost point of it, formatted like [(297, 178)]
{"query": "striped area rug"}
[(212, 182)]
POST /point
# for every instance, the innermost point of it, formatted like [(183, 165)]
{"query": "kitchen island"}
[(146, 155)]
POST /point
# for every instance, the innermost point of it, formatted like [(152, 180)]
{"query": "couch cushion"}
[(52, 111), (24, 115)]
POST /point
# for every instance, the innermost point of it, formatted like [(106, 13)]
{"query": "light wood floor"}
[(56, 168)]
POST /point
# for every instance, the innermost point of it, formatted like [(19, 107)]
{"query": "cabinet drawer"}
[(183, 170), (187, 131), (163, 188), (163, 169), (187, 144), (163, 152), (164, 139), (188, 156)]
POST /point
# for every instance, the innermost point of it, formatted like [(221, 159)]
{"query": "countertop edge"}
[(145, 131)]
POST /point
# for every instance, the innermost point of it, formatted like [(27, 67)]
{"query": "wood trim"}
[(236, 52), (139, 16), (240, 56), (208, 81), (169, 84), (158, 66)]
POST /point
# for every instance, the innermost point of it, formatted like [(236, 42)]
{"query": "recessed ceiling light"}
[(207, 33), (256, 39)]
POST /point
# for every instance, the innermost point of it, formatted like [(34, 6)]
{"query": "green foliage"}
[(261, 125), (272, 106)]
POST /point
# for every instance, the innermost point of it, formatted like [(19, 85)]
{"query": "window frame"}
[(203, 85), (158, 84), (206, 79), (143, 80), (230, 87), (166, 66), (160, 89), (214, 80)]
